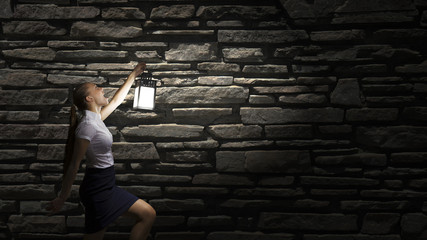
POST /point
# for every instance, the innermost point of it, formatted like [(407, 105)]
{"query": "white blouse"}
[(92, 128)]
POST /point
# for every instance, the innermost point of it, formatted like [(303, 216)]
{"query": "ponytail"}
[(69, 147)]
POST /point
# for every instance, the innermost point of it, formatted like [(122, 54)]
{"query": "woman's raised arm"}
[(120, 95)]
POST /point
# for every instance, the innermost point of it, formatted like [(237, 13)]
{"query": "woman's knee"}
[(144, 211), (149, 213)]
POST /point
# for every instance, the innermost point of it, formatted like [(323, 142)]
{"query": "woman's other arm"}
[(120, 95), (80, 147)]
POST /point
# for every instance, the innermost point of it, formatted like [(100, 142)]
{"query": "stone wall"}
[(291, 119)]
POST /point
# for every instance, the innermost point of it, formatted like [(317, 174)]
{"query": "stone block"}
[(27, 192), (316, 80), (210, 221), (356, 205), (265, 81), (269, 192), (302, 69), (359, 159), (372, 17), (34, 97), (32, 28), (19, 116), (261, 36), (207, 115), (36, 131), (122, 13), (174, 205), (276, 181), (15, 154), (276, 115), (202, 95), (28, 78), (346, 93), (144, 191), (384, 193), (235, 131), (305, 98), (335, 129), (50, 151), (134, 151), (247, 144), (39, 207), (218, 67), (172, 12), (372, 114), (62, 79), (71, 44), (261, 99), (187, 156), (221, 179), (361, 70), (169, 221), (265, 69), (230, 161), (160, 131), (215, 80), (148, 56), (351, 236), (25, 177), (413, 225), (247, 204), (51, 11), (408, 158), (151, 178), (36, 224), (243, 54), (6, 9), (338, 181), (308, 221), (246, 12), (199, 191), (395, 137), (239, 235), (184, 52), (180, 235), (342, 35), (7, 206), (40, 53), (415, 113), (86, 55), (380, 223), (106, 29), (275, 161), (289, 131), (413, 35)]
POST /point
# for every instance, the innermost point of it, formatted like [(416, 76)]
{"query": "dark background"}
[(292, 119)]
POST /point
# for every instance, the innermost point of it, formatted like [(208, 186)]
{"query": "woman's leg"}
[(95, 236), (145, 216)]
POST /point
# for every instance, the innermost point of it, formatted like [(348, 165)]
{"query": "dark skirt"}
[(104, 202)]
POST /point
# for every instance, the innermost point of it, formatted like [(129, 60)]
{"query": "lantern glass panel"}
[(145, 92)]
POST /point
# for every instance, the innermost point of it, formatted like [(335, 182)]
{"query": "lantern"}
[(145, 92)]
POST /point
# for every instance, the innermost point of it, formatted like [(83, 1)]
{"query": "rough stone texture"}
[(261, 36), (173, 12), (307, 221), (202, 95), (35, 28), (41, 54), (106, 29), (50, 11), (281, 119), (278, 161), (346, 93), (191, 52)]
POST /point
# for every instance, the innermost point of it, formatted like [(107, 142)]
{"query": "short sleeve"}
[(85, 131)]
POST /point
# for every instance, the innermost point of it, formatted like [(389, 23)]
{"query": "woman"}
[(104, 202)]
